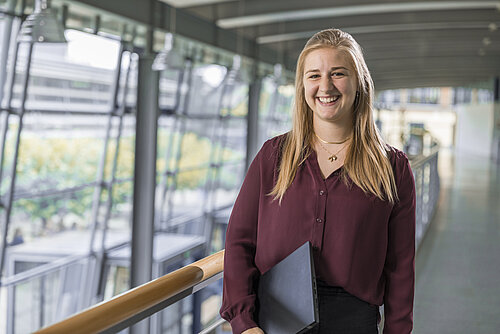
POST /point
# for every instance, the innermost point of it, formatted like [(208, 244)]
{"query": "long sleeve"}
[(399, 268), (240, 273)]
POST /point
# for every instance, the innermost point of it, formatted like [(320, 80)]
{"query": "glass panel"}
[(427, 95), (59, 151), (3, 22), (239, 100), (122, 206), (206, 89), (61, 146), (117, 281), (10, 142), (168, 86), (9, 54), (128, 60), (42, 216), (186, 202), (211, 303), (230, 179), (48, 298), (28, 308), (275, 109), (84, 78)]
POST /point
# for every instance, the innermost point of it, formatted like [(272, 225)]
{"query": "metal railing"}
[(427, 185), (134, 305)]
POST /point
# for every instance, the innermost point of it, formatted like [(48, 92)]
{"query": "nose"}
[(326, 84)]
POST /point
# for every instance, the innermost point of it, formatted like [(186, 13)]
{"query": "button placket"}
[(319, 218)]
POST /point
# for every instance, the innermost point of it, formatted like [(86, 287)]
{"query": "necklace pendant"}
[(332, 158)]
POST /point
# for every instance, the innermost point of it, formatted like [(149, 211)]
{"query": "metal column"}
[(7, 31), (144, 179), (253, 120), (10, 195)]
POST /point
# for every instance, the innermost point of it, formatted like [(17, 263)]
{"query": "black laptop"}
[(287, 298)]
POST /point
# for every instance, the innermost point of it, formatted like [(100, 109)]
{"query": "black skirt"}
[(343, 313)]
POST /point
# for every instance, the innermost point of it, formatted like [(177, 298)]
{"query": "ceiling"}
[(406, 43)]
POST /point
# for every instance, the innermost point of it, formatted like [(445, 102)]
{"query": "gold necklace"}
[(331, 142), (333, 156)]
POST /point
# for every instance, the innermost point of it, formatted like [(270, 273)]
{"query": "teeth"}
[(328, 99)]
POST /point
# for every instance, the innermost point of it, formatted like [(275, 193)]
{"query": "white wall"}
[(474, 132)]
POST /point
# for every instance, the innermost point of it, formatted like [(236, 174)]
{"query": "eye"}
[(313, 76), (337, 74)]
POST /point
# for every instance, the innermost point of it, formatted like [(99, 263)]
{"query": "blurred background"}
[(215, 80)]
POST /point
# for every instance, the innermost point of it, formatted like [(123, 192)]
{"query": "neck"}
[(332, 132)]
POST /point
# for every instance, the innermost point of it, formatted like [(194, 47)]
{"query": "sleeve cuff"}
[(242, 322)]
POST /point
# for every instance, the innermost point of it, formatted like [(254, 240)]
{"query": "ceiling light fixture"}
[(42, 26), (236, 73), (168, 58), (486, 41), (192, 3)]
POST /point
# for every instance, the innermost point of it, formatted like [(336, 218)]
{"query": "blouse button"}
[(321, 192), (319, 220)]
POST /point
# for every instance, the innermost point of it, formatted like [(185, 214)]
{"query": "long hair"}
[(366, 163)]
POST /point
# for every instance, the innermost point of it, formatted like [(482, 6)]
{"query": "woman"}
[(332, 181)]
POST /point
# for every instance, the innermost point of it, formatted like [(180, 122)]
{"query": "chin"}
[(326, 115), (331, 116)]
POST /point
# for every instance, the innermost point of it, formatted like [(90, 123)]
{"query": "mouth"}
[(328, 100)]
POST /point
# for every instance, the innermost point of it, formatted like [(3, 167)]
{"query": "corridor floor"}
[(458, 264)]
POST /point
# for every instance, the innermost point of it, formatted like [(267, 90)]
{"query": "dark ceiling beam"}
[(255, 7), (430, 35), (416, 73), (405, 54), (400, 81), (486, 16), (407, 28), (426, 82), (308, 13), (433, 38), (413, 57), (407, 57), (403, 46), (428, 53), (136, 10), (456, 62), (258, 6), (413, 79), (456, 36)]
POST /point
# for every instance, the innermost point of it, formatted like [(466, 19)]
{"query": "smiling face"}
[(330, 86)]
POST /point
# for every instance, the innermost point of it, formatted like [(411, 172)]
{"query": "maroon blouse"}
[(362, 244)]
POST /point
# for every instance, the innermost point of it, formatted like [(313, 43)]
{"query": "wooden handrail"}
[(104, 315)]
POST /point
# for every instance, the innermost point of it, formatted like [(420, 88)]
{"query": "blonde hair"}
[(366, 163)]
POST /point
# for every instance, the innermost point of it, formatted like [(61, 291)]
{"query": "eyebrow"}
[(331, 69)]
